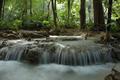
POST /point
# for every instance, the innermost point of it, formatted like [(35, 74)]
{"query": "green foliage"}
[(46, 22), (116, 10), (90, 25), (14, 25), (4, 25), (14, 13), (115, 27)]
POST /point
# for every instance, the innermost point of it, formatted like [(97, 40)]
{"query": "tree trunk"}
[(69, 11), (54, 12), (83, 14), (25, 8), (89, 10), (30, 7), (109, 15), (48, 7), (1, 6), (109, 22), (43, 6), (99, 22), (70, 4)]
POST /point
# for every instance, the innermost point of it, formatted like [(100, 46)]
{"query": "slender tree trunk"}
[(89, 10), (99, 22), (48, 7), (69, 11), (54, 12), (30, 7), (25, 8), (83, 14), (109, 15), (43, 6), (109, 22), (1, 6), (70, 4)]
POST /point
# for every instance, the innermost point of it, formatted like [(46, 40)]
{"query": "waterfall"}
[(57, 52)]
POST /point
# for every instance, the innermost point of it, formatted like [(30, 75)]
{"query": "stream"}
[(12, 70), (57, 60)]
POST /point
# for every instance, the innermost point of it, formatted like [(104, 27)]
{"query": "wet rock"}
[(114, 75), (116, 51), (2, 56), (38, 24), (3, 53), (3, 43), (116, 54), (22, 34), (30, 25), (116, 35), (12, 36), (32, 35), (29, 39), (3, 35), (9, 32), (33, 56)]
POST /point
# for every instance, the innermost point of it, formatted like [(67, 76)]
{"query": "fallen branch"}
[(66, 37)]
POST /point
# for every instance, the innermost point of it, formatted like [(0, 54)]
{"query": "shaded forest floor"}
[(42, 33)]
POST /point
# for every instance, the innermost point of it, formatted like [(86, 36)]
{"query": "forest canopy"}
[(83, 14)]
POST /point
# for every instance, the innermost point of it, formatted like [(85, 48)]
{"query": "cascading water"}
[(48, 56), (57, 52)]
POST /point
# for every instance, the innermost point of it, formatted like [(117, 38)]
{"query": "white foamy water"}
[(12, 70)]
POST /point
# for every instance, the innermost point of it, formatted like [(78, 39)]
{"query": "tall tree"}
[(69, 7), (82, 14), (48, 9), (43, 6), (70, 3), (99, 22), (109, 14), (25, 8), (69, 12), (90, 9), (30, 7), (54, 9), (1, 6), (109, 21)]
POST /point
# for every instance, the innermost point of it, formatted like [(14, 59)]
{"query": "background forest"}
[(83, 14)]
